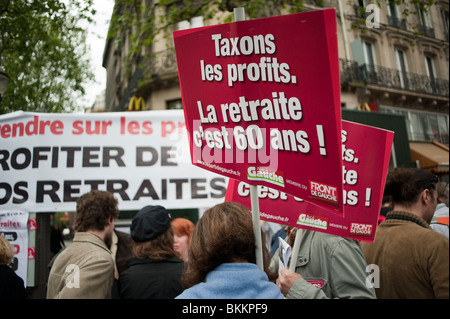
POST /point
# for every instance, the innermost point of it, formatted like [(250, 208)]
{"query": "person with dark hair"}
[(85, 269), (413, 259), (221, 258), (155, 271)]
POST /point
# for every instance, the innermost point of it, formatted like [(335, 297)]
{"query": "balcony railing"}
[(427, 31), (396, 22), (350, 72)]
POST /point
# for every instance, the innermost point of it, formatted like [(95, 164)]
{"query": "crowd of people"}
[(163, 258)]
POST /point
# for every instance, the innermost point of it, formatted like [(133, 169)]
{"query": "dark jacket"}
[(11, 285), (151, 279)]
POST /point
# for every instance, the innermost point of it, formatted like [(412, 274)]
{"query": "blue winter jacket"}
[(234, 281)]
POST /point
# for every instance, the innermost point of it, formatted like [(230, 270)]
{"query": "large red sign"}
[(366, 153), (262, 103)]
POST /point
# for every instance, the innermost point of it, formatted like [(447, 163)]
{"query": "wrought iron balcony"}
[(351, 72), (427, 31), (397, 23)]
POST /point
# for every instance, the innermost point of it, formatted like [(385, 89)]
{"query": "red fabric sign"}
[(366, 154), (261, 100)]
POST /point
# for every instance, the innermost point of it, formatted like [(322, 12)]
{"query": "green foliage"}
[(43, 51)]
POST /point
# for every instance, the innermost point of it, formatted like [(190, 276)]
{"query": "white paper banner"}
[(47, 161), (14, 227)]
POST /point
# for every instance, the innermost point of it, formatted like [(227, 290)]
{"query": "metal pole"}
[(295, 249), (256, 226), (239, 15)]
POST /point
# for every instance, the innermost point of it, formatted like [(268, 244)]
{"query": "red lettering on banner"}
[(91, 127), (170, 127), (32, 127), (134, 127)]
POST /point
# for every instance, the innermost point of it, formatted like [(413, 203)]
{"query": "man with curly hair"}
[(85, 269)]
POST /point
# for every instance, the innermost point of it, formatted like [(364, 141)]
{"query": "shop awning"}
[(432, 156)]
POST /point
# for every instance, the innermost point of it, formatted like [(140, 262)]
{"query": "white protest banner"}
[(48, 160), (14, 228)]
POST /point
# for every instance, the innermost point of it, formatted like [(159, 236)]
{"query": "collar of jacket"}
[(400, 215), (90, 238)]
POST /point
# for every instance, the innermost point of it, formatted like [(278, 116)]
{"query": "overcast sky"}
[(96, 40)]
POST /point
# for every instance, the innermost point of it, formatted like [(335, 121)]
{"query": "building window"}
[(423, 126), (431, 72), (446, 23), (369, 56), (424, 16), (394, 16), (425, 26), (174, 104), (402, 67), (429, 64), (360, 9), (370, 62)]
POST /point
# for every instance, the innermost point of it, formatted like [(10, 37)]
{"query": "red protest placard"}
[(366, 153), (262, 103)]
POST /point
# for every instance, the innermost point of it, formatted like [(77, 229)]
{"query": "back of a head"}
[(404, 185), (151, 233), (224, 234), (94, 210), (182, 226)]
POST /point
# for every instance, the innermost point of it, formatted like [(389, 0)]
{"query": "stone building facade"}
[(392, 64)]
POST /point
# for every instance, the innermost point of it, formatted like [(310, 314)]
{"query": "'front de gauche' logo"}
[(361, 229), (323, 192), (265, 174), (312, 221)]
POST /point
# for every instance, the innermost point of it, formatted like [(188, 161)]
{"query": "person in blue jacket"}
[(221, 258)]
